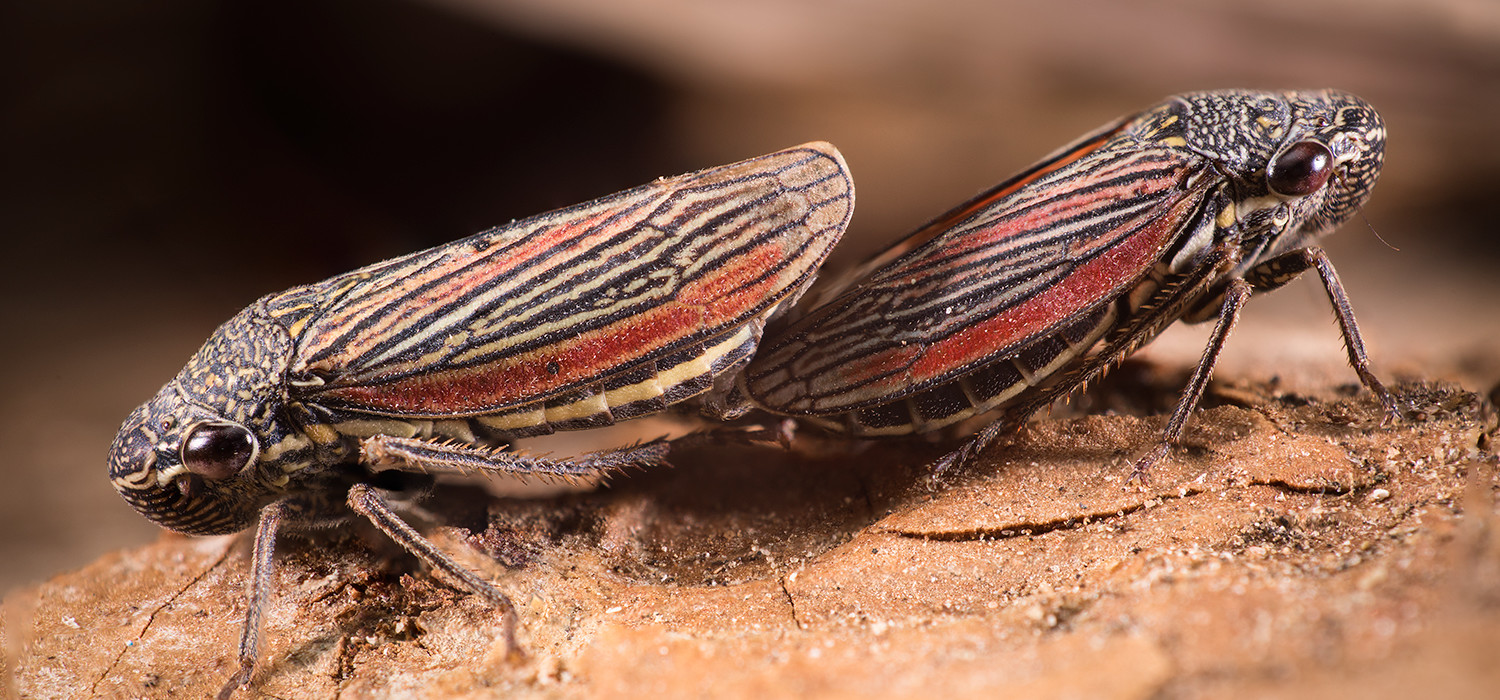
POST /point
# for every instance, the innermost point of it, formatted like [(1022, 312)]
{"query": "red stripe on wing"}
[(1041, 257), (717, 300), (1100, 278), (338, 342), (923, 365)]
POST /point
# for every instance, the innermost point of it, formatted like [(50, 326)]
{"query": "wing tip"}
[(833, 180)]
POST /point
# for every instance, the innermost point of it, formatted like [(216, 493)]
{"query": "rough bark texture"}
[(1292, 547), (167, 162)]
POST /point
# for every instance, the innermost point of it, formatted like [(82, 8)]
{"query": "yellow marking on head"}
[(295, 330), (289, 443), (164, 477), (291, 309)]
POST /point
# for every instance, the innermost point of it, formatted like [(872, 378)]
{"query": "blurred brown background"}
[(165, 162)]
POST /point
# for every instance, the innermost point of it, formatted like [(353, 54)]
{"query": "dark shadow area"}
[(167, 163)]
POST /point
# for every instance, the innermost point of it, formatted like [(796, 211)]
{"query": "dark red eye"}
[(217, 451), (1300, 170)]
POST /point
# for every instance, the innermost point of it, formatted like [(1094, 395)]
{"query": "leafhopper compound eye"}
[(1300, 170)]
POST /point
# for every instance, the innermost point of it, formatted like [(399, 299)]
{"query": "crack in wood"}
[(1026, 529), (790, 601), (94, 688)]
